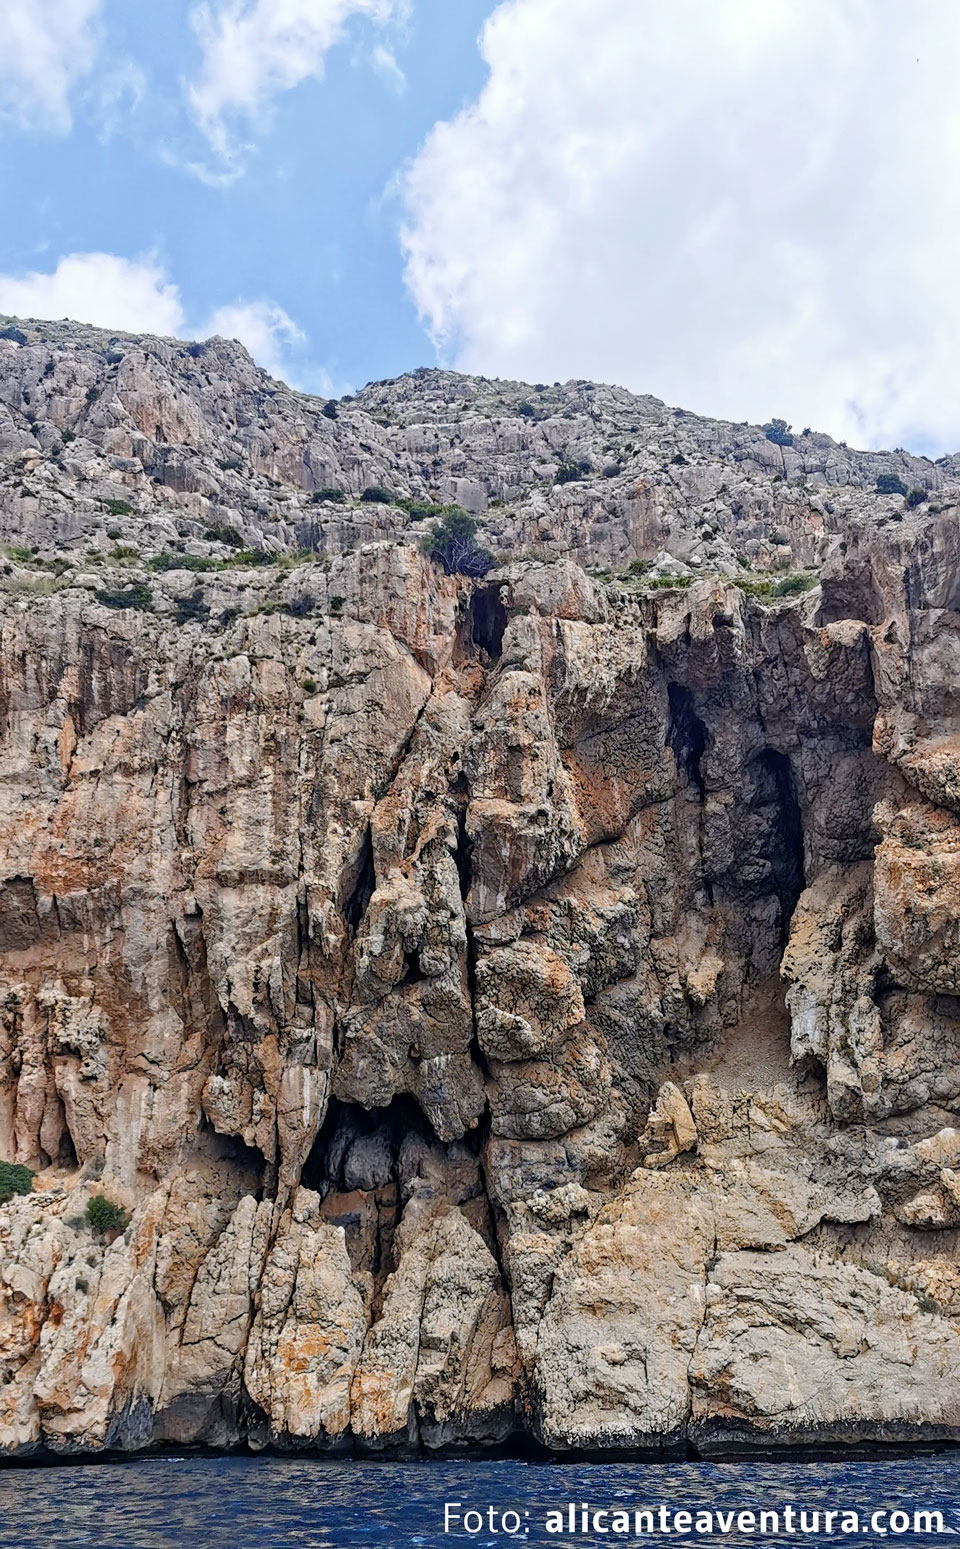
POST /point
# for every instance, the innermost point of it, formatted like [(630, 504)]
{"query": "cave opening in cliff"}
[(360, 1148), (355, 906), (488, 620), (687, 735), (247, 1163), (777, 791), (67, 1154)]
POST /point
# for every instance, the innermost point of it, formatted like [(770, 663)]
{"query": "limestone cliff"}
[(524, 1005)]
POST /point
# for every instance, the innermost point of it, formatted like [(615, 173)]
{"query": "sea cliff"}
[(520, 1005)]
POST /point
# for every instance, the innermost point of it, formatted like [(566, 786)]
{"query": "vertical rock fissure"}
[(778, 788)]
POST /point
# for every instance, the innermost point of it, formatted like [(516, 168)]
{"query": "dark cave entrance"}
[(359, 1148), (355, 905), (777, 793), (686, 735), (488, 620)]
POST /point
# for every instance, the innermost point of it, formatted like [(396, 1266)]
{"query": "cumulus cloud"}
[(137, 296), (46, 47), (274, 340), (748, 209), (134, 296), (255, 49)]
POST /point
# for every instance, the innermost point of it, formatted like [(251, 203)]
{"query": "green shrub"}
[(184, 562), (327, 493), (114, 532), (329, 410), (136, 596), (453, 544), (192, 609), (118, 507), (300, 607), (527, 410), (890, 484), (15, 334), (224, 535), (569, 471), (787, 586), (419, 510), (67, 436), (124, 551), (104, 1216), (14, 1179), (793, 585), (375, 495), (245, 557), (915, 497), (778, 431), (81, 1285), (309, 685)]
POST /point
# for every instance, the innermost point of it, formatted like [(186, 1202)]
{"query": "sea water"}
[(201, 1502)]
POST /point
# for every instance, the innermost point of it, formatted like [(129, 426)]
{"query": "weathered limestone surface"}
[(522, 1005)]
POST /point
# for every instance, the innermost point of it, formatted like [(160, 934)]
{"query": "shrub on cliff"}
[(915, 497), (890, 484), (778, 431), (374, 495), (14, 1179), (104, 1216), (569, 472), (453, 544), (137, 596), (192, 609)]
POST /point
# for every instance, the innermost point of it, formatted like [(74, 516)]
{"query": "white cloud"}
[(255, 49), (273, 338), (116, 95), (748, 209), (134, 296), (46, 47), (384, 61), (137, 296)]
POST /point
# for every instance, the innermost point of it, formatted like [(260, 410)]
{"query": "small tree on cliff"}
[(14, 1179), (779, 432), (453, 543), (104, 1216)]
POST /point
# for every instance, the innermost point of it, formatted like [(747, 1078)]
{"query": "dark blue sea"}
[(249, 1502)]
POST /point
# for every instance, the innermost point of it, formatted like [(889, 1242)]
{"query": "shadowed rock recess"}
[(516, 1007)]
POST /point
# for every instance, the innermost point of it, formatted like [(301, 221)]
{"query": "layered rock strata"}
[(526, 1006)]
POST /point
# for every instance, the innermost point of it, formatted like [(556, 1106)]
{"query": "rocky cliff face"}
[(523, 1005)]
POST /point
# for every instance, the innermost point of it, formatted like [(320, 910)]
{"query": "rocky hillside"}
[(435, 1009)]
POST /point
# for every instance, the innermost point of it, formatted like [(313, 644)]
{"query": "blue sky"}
[(746, 209), (310, 224)]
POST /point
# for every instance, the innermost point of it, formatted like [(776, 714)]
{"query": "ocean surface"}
[(177, 1502)]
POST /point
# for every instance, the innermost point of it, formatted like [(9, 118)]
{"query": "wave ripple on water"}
[(298, 1503)]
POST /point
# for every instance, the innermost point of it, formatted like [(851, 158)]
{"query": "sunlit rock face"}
[(522, 1005)]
